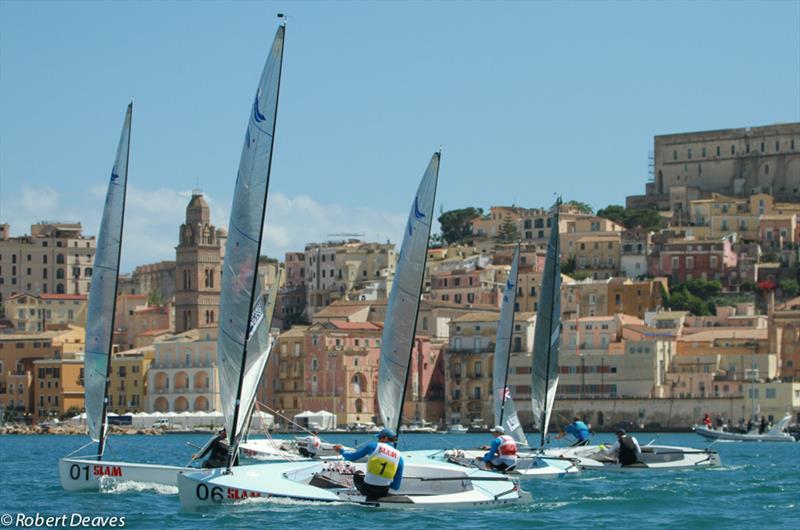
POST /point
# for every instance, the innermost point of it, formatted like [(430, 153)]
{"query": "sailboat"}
[(425, 484), (545, 382), (530, 464)]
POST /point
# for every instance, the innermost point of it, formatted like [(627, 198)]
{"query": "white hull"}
[(435, 485), (79, 474), (277, 450), (529, 465), (742, 437), (653, 457)]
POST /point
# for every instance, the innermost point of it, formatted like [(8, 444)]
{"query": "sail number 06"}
[(75, 472), (203, 493)]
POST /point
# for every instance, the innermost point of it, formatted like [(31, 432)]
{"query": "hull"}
[(529, 465), (740, 437), (439, 486), (283, 450), (86, 474), (653, 457)]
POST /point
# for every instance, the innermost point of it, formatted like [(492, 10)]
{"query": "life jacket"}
[(508, 447), (382, 465), (627, 451), (220, 453)]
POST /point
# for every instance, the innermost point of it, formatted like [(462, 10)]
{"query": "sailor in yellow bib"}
[(384, 466)]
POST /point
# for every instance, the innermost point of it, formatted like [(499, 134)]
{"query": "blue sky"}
[(526, 98)]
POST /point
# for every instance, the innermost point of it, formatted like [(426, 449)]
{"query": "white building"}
[(184, 374)]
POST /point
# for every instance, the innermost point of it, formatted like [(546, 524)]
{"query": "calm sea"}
[(759, 486)]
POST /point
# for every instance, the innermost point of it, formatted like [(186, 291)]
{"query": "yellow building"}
[(57, 387), (469, 359), (598, 254), (127, 391)]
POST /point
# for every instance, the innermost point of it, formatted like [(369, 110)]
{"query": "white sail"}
[(242, 248), (547, 333), (260, 343), (103, 291), (401, 312), (505, 413)]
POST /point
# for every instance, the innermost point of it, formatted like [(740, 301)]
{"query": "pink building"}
[(469, 286), (685, 259)]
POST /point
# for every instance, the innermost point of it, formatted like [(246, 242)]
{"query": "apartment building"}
[(55, 258)]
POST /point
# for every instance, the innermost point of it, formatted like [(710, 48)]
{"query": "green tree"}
[(789, 288), (507, 231), (568, 265), (154, 298), (456, 225), (581, 206), (614, 212)]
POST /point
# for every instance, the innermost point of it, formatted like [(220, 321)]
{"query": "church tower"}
[(198, 268)]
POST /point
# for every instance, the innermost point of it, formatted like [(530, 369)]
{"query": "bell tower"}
[(198, 267)]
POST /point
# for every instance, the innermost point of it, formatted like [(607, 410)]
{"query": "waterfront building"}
[(468, 363), (183, 375), (55, 258)]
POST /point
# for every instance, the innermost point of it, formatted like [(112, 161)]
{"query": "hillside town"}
[(682, 302)]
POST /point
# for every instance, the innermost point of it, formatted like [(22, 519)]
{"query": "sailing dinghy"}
[(425, 483), (530, 463)]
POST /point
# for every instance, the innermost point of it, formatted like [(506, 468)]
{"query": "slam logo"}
[(418, 215)]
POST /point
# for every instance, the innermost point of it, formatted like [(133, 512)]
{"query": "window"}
[(771, 393), (777, 146), (704, 152), (733, 149), (689, 262), (689, 153), (762, 147), (717, 150), (746, 148), (674, 155)]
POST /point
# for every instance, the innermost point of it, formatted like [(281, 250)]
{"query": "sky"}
[(526, 99)]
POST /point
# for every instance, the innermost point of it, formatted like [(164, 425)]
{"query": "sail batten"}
[(547, 333), (401, 312), (103, 291), (241, 361), (505, 412)]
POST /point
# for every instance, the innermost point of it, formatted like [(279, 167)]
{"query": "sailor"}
[(502, 454), (627, 449), (220, 451), (311, 448), (384, 466), (707, 421), (579, 430)]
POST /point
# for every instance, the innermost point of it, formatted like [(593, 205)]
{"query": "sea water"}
[(757, 487)]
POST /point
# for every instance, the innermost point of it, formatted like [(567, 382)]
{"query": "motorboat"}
[(776, 434)]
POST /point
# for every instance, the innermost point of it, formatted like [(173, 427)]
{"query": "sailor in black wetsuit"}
[(220, 452), (627, 449)]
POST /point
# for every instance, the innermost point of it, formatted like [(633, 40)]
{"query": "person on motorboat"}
[(626, 449), (384, 466), (579, 430), (219, 452), (763, 427), (707, 421), (502, 454), (311, 448)]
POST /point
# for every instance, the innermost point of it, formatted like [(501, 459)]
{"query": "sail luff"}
[(103, 292), (242, 250), (505, 412), (400, 322), (547, 333)]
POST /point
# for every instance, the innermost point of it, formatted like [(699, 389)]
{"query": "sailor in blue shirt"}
[(578, 430), (384, 466)]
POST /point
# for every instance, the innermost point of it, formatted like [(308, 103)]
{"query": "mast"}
[(103, 434), (510, 340), (416, 311), (233, 437)]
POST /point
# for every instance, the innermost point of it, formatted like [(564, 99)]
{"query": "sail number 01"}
[(203, 492), (75, 472)]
